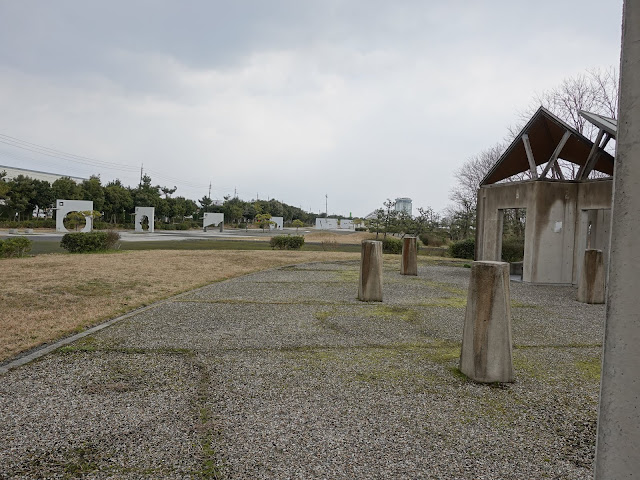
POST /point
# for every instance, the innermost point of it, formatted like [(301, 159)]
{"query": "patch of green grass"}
[(81, 460), (516, 304), (395, 313), (350, 276), (590, 368)]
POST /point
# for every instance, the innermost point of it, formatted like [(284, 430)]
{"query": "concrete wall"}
[(326, 223), (214, 219), (65, 207), (558, 215), (279, 223)]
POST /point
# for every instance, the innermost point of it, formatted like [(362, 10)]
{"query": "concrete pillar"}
[(409, 261), (486, 339), (591, 281), (222, 226), (370, 284), (618, 438)]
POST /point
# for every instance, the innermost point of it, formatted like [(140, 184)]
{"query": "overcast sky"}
[(361, 100)]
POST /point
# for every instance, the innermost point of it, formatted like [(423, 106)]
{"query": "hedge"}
[(392, 245), (463, 249), (14, 247), (89, 242), (287, 242)]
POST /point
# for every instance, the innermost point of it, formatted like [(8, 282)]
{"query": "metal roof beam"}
[(586, 169), (532, 161), (556, 154)]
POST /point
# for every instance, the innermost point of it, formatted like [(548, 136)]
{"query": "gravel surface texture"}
[(284, 374)]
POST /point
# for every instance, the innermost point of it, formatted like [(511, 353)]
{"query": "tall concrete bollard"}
[(618, 438), (222, 226), (591, 281), (370, 284), (409, 261), (486, 339)]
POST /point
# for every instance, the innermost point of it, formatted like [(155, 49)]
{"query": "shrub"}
[(287, 242), (15, 247), (392, 245), (512, 250), (431, 239), (89, 242), (362, 229), (463, 249)]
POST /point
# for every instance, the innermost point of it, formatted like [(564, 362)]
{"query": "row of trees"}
[(21, 196)]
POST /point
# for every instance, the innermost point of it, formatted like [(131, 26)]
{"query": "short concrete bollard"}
[(409, 261), (29, 231), (370, 284), (222, 226), (591, 283), (486, 340), (13, 231)]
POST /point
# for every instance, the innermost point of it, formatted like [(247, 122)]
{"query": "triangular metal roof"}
[(609, 125), (545, 133)]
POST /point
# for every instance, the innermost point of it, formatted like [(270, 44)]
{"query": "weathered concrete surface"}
[(560, 216), (141, 213), (486, 354), (591, 284), (409, 261), (370, 284), (618, 441)]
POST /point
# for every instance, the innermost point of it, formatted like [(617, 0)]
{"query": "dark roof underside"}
[(545, 131)]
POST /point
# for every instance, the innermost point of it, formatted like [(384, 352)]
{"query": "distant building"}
[(13, 172), (404, 205)]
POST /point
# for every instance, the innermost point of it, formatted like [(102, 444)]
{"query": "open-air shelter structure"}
[(564, 216)]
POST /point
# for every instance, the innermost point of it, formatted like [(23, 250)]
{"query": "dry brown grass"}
[(344, 238), (47, 297)]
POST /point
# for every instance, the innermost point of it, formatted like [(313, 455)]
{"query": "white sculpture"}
[(65, 207), (212, 219), (347, 224), (278, 223), (326, 223), (141, 213)]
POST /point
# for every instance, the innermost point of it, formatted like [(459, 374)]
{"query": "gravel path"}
[(285, 375)]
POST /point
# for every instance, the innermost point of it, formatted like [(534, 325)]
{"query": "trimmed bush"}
[(14, 247), (362, 229), (392, 245), (512, 250), (89, 242), (287, 242), (463, 249), (431, 239)]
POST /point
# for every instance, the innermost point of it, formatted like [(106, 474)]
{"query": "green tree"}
[(22, 196), (92, 190), (264, 220), (118, 202), (44, 198), (297, 223), (66, 189), (146, 195)]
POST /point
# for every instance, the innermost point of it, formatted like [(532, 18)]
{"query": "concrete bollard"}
[(370, 283), (409, 261), (486, 340), (591, 281), (13, 231), (222, 226)]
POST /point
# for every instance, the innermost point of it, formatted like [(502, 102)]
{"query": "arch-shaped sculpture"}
[(142, 212), (65, 207)]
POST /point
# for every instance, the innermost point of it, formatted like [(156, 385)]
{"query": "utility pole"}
[(141, 167), (209, 190), (235, 192), (326, 205)]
